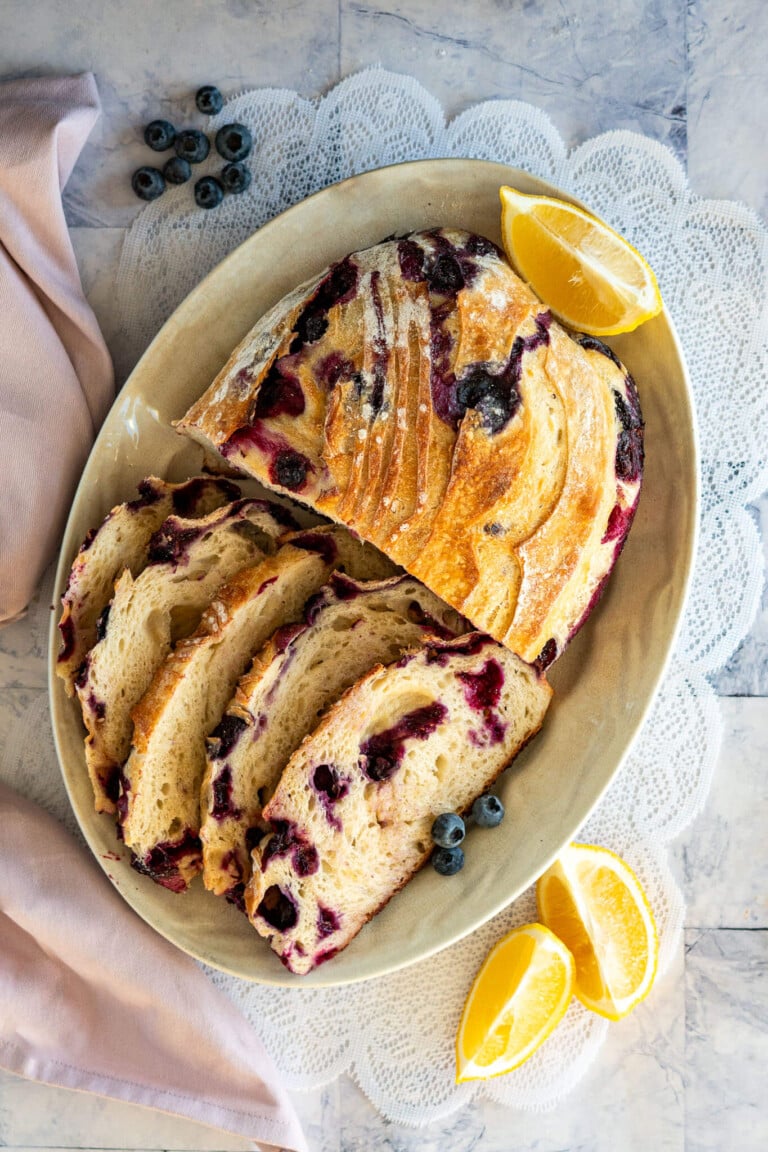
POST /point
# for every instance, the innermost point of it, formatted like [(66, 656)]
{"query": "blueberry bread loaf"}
[(347, 628), (121, 543), (159, 802), (187, 561), (354, 807), (419, 393)]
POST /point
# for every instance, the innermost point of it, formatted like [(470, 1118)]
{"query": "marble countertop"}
[(686, 1070)]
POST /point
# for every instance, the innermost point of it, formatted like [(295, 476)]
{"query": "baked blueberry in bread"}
[(187, 561), (421, 394), (354, 807), (121, 543), (348, 627), (159, 802)]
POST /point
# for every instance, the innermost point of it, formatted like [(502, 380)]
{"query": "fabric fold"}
[(56, 378), (91, 998)]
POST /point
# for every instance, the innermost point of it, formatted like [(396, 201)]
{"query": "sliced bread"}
[(188, 560), (121, 542), (354, 807), (159, 804), (348, 627)]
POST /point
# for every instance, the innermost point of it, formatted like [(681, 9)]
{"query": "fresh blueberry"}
[(192, 145), (177, 170), (448, 861), (209, 100), (208, 192), (234, 142), (235, 177), (488, 811), (448, 830), (148, 183), (160, 135)]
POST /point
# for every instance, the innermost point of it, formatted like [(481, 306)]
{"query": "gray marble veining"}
[(726, 1040), (590, 66)]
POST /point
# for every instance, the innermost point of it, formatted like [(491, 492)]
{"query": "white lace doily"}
[(395, 1034)]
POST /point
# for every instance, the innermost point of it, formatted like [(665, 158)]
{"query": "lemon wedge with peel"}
[(592, 900), (591, 278), (519, 996)]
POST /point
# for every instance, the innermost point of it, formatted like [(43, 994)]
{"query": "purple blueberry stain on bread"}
[(493, 394), (101, 623), (67, 632), (344, 586), (90, 536), (330, 787), (440, 652), (546, 656), (482, 692), (254, 836), (225, 736), (279, 909), (333, 369), (162, 862), (417, 615), (187, 496), (619, 523), (170, 544), (149, 493), (288, 840), (280, 393), (221, 793), (337, 287), (482, 689), (410, 256), (380, 347), (319, 542), (289, 469), (328, 922), (382, 753)]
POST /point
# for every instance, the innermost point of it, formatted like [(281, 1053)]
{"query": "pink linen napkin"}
[(56, 380), (92, 998)]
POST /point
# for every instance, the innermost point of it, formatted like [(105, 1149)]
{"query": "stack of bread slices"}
[(212, 644), (286, 710)]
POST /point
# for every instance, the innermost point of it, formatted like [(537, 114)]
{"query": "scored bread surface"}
[(347, 628), (121, 543), (420, 393), (159, 804), (355, 805), (187, 561)]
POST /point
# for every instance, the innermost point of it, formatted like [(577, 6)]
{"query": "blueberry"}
[(235, 177), (448, 830), (448, 861), (192, 145), (208, 192), (488, 811), (148, 183), (209, 100), (176, 170), (234, 142), (160, 135)]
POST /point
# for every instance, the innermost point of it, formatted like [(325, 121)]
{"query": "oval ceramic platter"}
[(604, 683)]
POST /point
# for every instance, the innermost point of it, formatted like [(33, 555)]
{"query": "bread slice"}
[(159, 804), (348, 627), (188, 560), (421, 394), (121, 543), (354, 807)]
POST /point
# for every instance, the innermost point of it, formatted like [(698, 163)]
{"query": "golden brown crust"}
[(428, 401)]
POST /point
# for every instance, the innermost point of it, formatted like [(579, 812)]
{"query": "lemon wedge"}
[(519, 996), (591, 278), (592, 900)]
